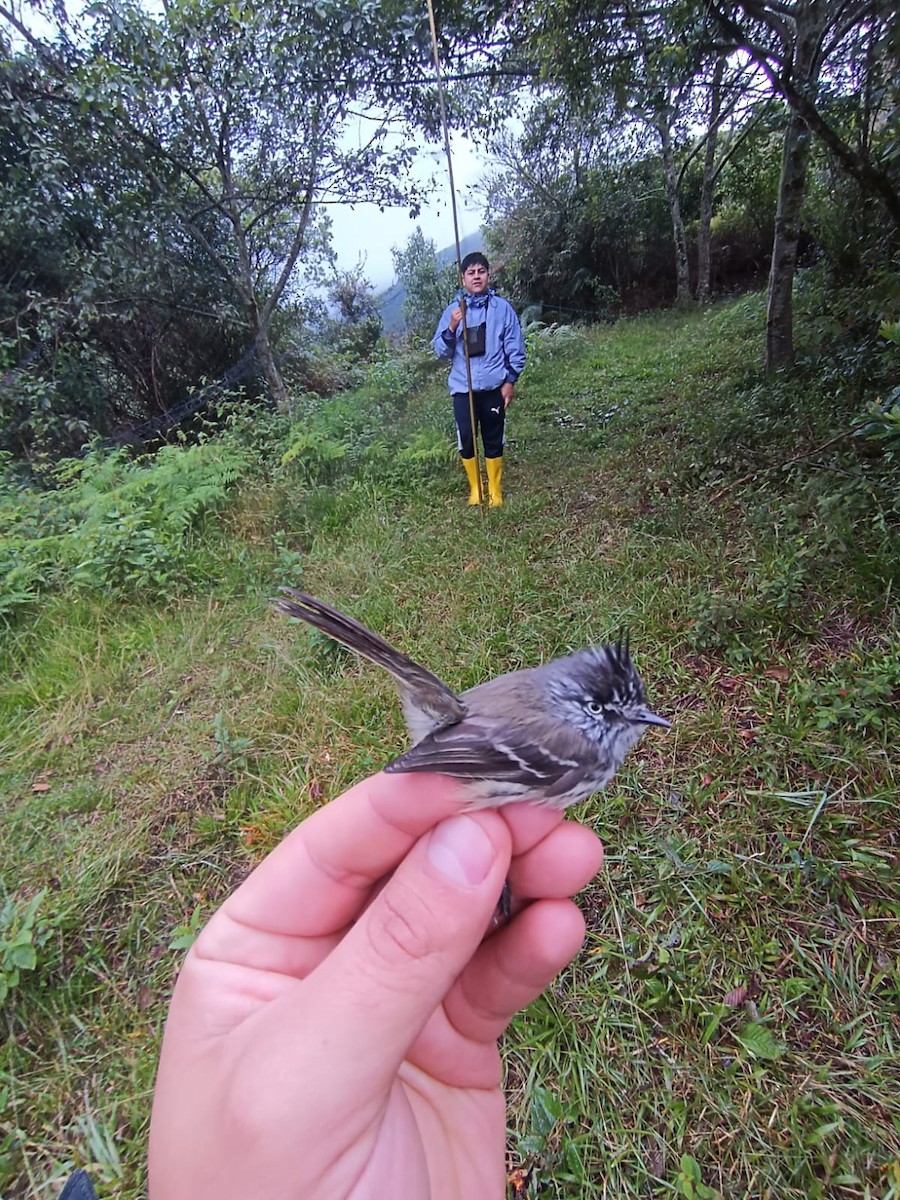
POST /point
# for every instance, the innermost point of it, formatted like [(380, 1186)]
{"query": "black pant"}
[(490, 416)]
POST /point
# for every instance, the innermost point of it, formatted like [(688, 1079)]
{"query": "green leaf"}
[(715, 866), (184, 941), (24, 957), (546, 1110), (690, 1168), (760, 1042)]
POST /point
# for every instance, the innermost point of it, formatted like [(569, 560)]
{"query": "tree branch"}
[(782, 466), (867, 175)]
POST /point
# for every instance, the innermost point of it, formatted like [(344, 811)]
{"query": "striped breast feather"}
[(475, 750)]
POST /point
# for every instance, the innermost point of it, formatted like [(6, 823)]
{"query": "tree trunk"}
[(259, 324), (706, 190), (682, 267), (274, 382), (791, 191)]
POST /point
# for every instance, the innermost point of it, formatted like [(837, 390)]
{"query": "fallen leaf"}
[(730, 683), (656, 1163), (736, 996), (518, 1181), (40, 787), (782, 674), (706, 780)]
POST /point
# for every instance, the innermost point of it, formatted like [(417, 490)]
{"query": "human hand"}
[(455, 318), (333, 1030), (508, 392)]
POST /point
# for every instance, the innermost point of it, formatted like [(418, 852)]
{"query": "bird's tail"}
[(412, 677)]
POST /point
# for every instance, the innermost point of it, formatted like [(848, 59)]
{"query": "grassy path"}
[(731, 1026)]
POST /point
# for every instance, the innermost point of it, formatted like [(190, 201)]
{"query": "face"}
[(476, 279), (603, 696)]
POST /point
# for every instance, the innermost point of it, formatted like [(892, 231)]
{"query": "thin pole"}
[(462, 304)]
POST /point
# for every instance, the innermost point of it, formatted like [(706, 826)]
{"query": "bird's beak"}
[(645, 717)]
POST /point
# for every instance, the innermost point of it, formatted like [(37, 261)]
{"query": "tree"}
[(639, 63), (251, 104), (108, 311), (803, 48), (706, 192), (360, 323), (428, 285), (237, 117), (580, 215), (808, 51)]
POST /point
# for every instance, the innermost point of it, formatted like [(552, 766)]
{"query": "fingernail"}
[(460, 850)]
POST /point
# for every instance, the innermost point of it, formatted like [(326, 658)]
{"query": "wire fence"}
[(593, 313), (247, 367)]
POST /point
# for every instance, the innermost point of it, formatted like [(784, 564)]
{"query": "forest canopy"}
[(167, 177)]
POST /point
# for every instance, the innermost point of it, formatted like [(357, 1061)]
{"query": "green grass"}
[(731, 1026)]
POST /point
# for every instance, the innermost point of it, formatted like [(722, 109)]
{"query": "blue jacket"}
[(504, 352)]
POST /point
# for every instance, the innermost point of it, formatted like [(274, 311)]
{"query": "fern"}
[(112, 523), (427, 447), (543, 341), (314, 453)]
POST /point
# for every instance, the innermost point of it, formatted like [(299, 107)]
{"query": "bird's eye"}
[(594, 708)]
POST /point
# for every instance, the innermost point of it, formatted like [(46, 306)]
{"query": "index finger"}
[(319, 878)]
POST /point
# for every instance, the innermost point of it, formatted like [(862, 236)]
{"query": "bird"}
[(552, 734)]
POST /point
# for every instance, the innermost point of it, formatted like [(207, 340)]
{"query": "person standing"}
[(496, 354)]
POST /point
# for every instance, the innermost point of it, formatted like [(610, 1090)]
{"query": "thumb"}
[(380, 985)]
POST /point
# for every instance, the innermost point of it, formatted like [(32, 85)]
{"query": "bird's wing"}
[(479, 749), (423, 688)]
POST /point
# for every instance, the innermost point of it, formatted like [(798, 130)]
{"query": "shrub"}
[(111, 523)]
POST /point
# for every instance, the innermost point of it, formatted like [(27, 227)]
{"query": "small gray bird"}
[(551, 734)]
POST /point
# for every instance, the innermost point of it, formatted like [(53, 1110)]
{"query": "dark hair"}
[(476, 258)]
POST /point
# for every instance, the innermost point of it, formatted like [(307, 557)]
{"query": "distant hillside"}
[(390, 302)]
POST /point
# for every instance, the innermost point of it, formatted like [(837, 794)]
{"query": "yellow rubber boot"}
[(495, 481), (471, 466)]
